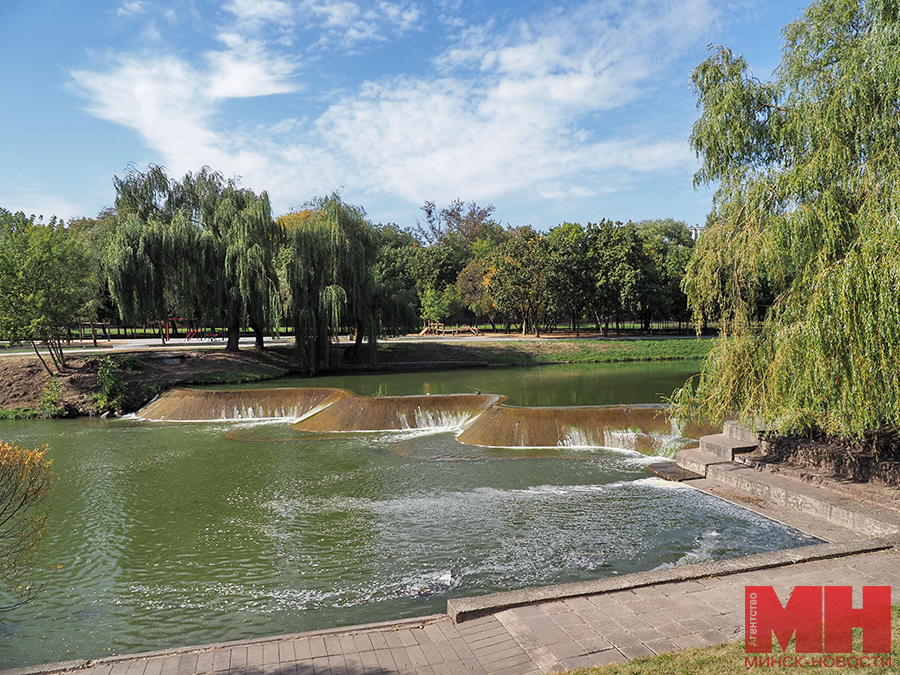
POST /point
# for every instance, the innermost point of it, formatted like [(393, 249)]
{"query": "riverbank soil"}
[(143, 375), (874, 459)]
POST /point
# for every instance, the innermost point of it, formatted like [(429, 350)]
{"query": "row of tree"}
[(206, 248), (463, 265)]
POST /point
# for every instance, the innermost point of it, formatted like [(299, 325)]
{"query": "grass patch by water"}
[(536, 351), (728, 659)]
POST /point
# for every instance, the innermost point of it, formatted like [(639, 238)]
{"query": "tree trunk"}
[(257, 337), (359, 341), (41, 358), (234, 336)]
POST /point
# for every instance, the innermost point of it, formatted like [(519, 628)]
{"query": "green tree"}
[(396, 298), (517, 278), (617, 267), (327, 275), (203, 248), (47, 283), (806, 209), (667, 248), (473, 292), (433, 306), (570, 283), (94, 234)]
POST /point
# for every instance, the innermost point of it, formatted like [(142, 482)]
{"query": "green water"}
[(583, 384), (166, 535)]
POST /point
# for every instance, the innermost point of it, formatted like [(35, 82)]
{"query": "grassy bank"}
[(534, 351), (729, 660)]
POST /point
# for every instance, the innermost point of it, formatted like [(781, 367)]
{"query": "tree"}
[(806, 209), (667, 247), (396, 298), (46, 283), (570, 283), (473, 292), (434, 305), (326, 271), (517, 278), (24, 481), (617, 269), (467, 221), (203, 248)]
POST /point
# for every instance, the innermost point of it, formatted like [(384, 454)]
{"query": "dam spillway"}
[(183, 404), (392, 413), (479, 419), (645, 429)]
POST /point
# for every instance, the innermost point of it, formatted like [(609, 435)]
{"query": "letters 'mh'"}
[(804, 616)]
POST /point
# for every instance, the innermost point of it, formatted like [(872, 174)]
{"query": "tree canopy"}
[(326, 271), (46, 283), (202, 247), (801, 260)]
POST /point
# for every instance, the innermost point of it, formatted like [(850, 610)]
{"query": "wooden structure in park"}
[(435, 328)]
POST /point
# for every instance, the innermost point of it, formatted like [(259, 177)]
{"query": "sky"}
[(550, 111)]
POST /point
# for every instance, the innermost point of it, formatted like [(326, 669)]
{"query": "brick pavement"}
[(548, 637)]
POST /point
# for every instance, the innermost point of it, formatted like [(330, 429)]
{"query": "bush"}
[(131, 363), (24, 481), (50, 398), (112, 387)]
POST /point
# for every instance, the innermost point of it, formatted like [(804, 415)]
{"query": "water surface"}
[(173, 534)]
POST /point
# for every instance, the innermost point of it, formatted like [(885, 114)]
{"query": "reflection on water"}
[(584, 384)]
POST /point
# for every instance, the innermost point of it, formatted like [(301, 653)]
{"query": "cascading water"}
[(480, 419)]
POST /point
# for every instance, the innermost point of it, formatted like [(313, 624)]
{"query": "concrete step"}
[(696, 460), (815, 501), (725, 447), (741, 432), (671, 471)]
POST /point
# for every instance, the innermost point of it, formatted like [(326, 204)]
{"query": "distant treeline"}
[(209, 251)]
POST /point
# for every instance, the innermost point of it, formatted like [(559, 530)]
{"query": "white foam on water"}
[(662, 483)]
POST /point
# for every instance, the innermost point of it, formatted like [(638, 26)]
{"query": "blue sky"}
[(550, 111)]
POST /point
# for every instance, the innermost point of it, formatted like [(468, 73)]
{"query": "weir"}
[(481, 419), (643, 428), (389, 413), (196, 405)]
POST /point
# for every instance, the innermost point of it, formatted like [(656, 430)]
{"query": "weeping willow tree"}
[(326, 271), (800, 263), (202, 248)]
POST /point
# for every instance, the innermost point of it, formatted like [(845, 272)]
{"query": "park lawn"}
[(728, 659), (535, 351)]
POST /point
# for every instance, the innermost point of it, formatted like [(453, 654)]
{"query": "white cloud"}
[(516, 121), (260, 10), (33, 201), (132, 8), (517, 112), (246, 70), (354, 22), (172, 104)]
